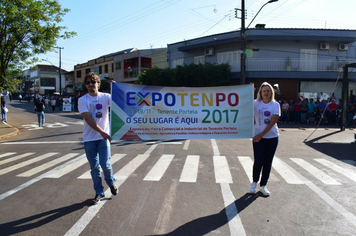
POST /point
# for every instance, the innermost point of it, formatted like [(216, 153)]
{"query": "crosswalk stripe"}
[(247, 165), (222, 170), (349, 174), (16, 158), (286, 172), (25, 163), (322, 176), (159, 168), (128, 169), (47, 165), (7, 154), (190, 170), (114, 158), (69, 168)]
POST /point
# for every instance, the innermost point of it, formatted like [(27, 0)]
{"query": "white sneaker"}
[(265, 191), (253, 187)]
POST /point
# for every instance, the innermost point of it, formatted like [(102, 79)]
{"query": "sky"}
[(108, 26)]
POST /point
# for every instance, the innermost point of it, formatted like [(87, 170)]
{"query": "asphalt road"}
[(179, 187)]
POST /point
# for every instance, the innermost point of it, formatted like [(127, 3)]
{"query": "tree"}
[(191, 75), (27, 28)]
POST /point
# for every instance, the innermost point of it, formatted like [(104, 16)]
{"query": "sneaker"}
[(98, 198), (265, 191), (114, 189), (253, 187)]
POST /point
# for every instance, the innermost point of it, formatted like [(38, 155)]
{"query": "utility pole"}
[(243, 38), (345, 94), (60, 64), (243, 44)]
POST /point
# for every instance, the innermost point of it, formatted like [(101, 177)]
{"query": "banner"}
[(140, 112), (67, 104)]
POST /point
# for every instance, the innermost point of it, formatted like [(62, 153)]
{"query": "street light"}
[(260, 10), (243, 38)]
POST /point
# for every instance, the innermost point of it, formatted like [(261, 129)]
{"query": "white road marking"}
[(16, 158), (349, 174), (114, 158), (25, 163), (286, 172), (186, 144), (233, 218), (190, 170), (121, 176), (235, 224), (68, 169), (7, 154), (323, 195), (323, 177), (159, 168), (47, 165), (247, 164), (32, 181), (222, 170)]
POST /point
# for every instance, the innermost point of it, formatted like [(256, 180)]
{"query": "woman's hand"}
[(257, 138)]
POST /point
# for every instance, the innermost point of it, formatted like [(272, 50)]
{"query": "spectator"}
[(285, 109), (332, 112), (297, 109)]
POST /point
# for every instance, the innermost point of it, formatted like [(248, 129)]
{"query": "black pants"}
[(264, 152)]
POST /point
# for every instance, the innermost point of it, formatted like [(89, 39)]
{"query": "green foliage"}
[(28, 28), (192, 75)]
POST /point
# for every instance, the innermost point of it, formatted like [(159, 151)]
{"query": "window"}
[(106, 68), (199, 60), (308, 59), (48, 82), (79, 73), (177, 62), (87, 71), (100, 70), (118, 65), (232, 58), (145, 63)]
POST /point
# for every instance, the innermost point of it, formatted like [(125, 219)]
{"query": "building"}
[(42, 79), (103, 66), (128, 66), (299, 60)]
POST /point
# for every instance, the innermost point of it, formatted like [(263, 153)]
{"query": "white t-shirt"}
[(98, 108), (263, 116)]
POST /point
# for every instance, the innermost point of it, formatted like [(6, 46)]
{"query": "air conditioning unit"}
[(343, 47), (324, 46), (209, 52)]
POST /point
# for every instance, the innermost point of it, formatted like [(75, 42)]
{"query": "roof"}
[(271, 34)]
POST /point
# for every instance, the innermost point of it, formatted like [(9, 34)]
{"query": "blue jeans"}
[(264, 152), (3, 114), (39, 115), (98, 154)]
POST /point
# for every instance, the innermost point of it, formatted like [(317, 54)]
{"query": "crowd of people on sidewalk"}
[(309, 111)]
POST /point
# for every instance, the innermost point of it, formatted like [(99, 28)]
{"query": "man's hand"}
[(105, 136)]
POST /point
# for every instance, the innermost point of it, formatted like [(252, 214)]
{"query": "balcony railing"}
[(134, 73), (294, 64)]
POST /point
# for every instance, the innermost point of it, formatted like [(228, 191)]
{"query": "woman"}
[(39, 107), (3, 110), (265, 140)]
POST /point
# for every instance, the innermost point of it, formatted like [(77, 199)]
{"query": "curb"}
[(5, 136)]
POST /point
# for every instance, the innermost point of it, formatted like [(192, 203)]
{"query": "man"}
[(94, 108)]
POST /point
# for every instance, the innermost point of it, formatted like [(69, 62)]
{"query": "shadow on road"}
[(206, 224), (339, 151), (41, 219)]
